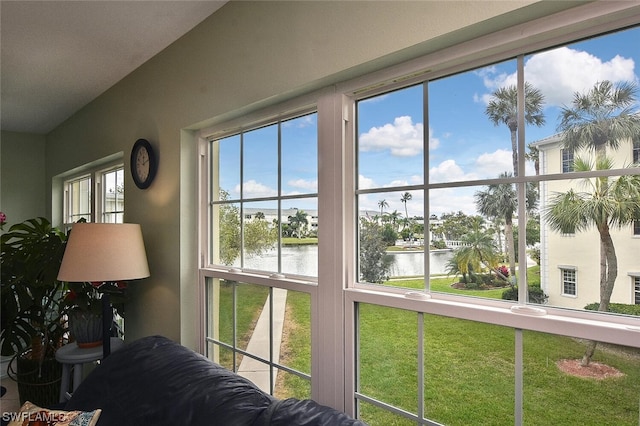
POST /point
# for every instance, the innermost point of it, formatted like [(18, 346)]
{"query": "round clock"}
[(144, 164)]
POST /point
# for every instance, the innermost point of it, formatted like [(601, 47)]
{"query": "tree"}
[(406, 197), (503, 109), (382, 204), (479, 251), (501, 200), (298, 222), (602, 117), (375, 263)]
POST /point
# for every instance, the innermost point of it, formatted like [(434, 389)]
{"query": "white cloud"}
[(365, 182), (560, 73), (403, 138), (256, 189), (308, 185), (491, 164), (448, 171)]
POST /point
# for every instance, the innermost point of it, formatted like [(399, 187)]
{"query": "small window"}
[(567, 161), (569, 282), (636, 227), (636, 151), (106, 206), (636, 290)]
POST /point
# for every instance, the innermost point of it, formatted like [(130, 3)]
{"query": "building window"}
[(636, 290), (569, 282), (636, 151), (636, 227), (567, 160), (81, 204)]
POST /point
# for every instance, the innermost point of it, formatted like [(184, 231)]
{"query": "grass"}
[(469, 366)]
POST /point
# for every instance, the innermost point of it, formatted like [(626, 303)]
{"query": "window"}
[(266, 175), (567, 161), (437, 247), (569, 282), (636, 151), (636, 227), (80, 202), (636, 290)]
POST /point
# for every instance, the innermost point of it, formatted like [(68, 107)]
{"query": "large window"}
[(263, 220), (436, 293), (80, 201)]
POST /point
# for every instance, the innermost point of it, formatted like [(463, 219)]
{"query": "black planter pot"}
[(38, 380)]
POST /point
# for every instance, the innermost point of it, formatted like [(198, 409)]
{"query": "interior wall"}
[(22, 176), (245, 55)]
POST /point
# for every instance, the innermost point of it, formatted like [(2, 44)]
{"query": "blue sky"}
[(463, 143)]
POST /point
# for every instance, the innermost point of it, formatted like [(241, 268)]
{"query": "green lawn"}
[(469, 367)]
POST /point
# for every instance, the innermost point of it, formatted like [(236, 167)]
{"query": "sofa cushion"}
[(155, 381)]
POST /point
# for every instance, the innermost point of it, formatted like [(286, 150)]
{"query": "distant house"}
[(570, 263)]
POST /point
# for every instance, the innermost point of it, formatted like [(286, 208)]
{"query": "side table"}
[(71, 356)]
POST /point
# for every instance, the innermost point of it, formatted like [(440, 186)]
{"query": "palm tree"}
[(406, 197), (503, 109), (479, 250), (382, 204), (600, 118), (501, 201)]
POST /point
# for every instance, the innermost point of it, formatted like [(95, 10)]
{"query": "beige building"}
[(570, 263)]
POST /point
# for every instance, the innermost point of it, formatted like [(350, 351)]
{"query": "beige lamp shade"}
[(99, 252)]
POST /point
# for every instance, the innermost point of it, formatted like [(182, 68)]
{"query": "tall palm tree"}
[(406, 197), (503, 109), (382, 204), (479, 250), (602, 117), (501, 201)]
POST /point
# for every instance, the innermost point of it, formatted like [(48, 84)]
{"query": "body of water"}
[(302, 260)]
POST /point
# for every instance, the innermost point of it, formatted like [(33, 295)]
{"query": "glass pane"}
[(300, 236), (469, 372), (225, 167), (376, 416), (260, 235), (472, 124), (113, 196), (225, 227), (574, 246), (391, 139), (294, 348), (260, 163), (252, 310), (300, 155), (477, 245), (558, 390), (387, 358), (391, 239), (289, 385)]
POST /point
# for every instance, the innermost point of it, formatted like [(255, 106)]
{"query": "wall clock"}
[(144, 163)]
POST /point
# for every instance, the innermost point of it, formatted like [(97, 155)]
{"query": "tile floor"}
[(9, 402)]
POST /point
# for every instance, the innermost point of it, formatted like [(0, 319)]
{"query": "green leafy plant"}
[(31, 254)]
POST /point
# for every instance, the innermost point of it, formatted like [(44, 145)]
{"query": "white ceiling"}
[(57, 56)]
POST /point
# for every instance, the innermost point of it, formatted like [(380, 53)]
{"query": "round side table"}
[(71, 356)]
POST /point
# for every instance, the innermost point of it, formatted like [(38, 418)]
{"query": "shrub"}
[(536, 295), (617, 308)]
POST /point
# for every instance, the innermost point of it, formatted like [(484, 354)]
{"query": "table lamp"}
[(104, 252)]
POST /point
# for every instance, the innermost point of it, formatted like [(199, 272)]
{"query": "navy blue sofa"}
[(156, 381)]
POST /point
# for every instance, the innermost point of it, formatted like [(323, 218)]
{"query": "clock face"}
[(143, 163)]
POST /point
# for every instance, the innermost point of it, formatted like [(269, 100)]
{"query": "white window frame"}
[(564, 282), (567, 163), (95, 173), (337, 295)]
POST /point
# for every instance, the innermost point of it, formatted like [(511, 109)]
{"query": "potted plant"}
[(32, 324), (83, 305)]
